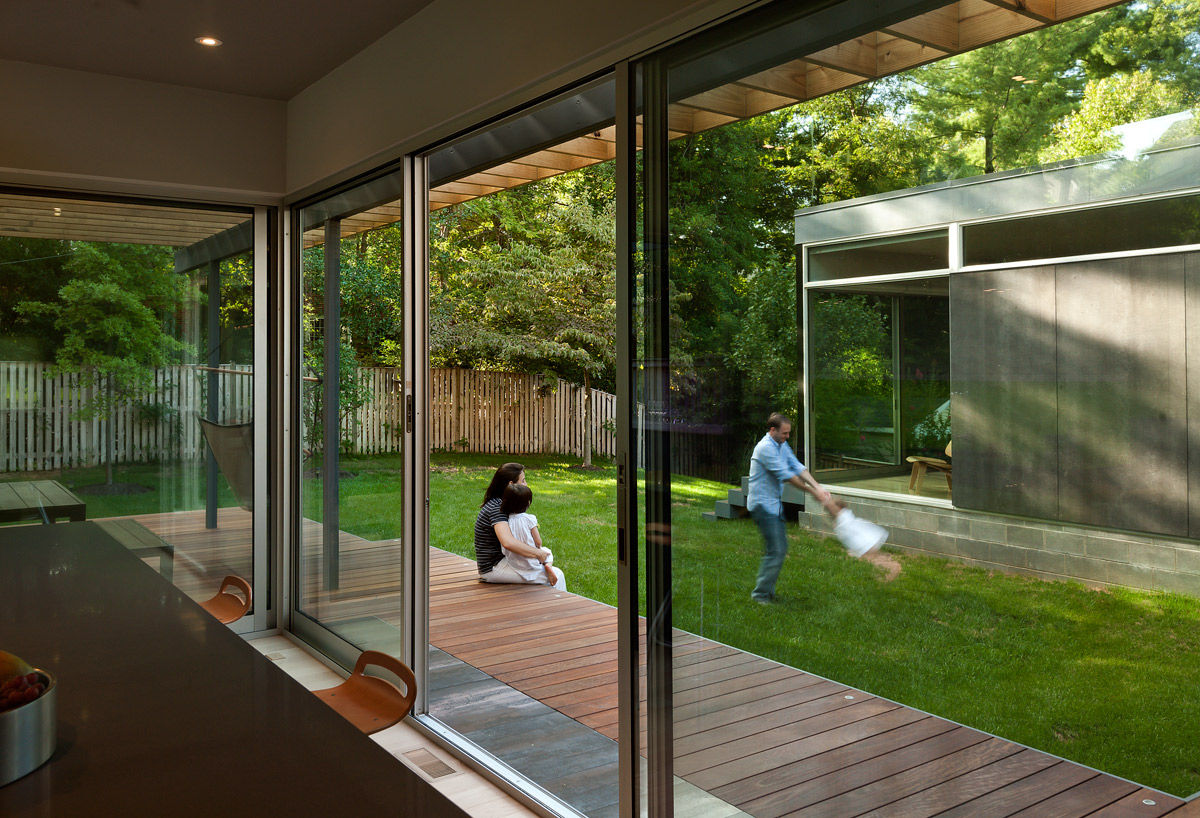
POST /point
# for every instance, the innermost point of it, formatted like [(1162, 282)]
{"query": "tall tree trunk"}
[(587, 419), (989, 151)]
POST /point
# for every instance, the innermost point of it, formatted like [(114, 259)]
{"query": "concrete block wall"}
[(1047, 550)]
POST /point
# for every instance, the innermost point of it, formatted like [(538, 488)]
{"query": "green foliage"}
[(993, 108), (525, 280), (767, 348), (353, 394), (113, 318), (31, 270), (854, 143), (852, 373), (1114, 100), (236, 343)]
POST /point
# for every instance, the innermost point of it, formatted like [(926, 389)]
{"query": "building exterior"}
[(1061, 296)]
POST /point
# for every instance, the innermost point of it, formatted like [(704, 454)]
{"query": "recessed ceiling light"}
[(211, 42)]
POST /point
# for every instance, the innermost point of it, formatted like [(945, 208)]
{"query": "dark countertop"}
[(162, 710)]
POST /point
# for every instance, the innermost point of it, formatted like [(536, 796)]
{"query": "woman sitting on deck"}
[(493, 535)]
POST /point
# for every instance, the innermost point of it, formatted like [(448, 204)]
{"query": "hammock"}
[(233, 447)]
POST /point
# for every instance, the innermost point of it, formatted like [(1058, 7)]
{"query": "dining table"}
[(161, 710)]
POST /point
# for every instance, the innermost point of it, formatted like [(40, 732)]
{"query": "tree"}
[(993, 108), (30, 270), (113, 317), (526, 281), (1115, 100)]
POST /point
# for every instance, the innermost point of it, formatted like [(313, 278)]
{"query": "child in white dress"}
[(524, 526)]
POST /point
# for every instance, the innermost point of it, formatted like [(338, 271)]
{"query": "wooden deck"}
[(759, 736)]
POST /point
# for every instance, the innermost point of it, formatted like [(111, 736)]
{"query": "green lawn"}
[(1110, 679)]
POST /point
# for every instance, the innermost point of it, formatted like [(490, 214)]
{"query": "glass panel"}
[(776, 138), (522, 316), (873, 257), (924, 368), (352, 421), (127, 382), (1136, 226), (853, 383)]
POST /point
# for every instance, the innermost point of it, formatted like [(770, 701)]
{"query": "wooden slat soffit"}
[(41, 217), (952, 29)]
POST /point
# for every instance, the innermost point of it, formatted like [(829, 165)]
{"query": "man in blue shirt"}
[(773, 464)]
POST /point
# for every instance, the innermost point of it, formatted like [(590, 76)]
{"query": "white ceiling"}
[(271, 48)]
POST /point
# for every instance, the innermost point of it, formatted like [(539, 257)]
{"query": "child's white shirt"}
[(522, 525)]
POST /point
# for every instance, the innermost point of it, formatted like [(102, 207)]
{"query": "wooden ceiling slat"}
[(515, 170), (69, 207), (1067, 9), (54, 217), (822, 80), (97, 218), (983, 23), (855, 56), (1040, 10), (97, 235), (937, 28), (473, 190), (586, 146), (549, 160), (129, 233), (739, 102), (489, 178), (442, 197), (899, 54), (787, 80)]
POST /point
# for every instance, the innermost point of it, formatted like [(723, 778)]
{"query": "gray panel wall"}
[(1003, 376), (1122, 394), (1192, 305), (1070, 386)]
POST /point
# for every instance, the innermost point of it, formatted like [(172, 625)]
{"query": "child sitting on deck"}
[(515, 502)]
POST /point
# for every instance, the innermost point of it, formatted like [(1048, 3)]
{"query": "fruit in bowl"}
[(12, 665), (21, 690), (19, 683)]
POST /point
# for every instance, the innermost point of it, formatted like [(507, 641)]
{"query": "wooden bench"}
[(142, 542)]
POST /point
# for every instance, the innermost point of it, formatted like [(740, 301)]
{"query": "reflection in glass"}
[(853, 381), (126, 334), (884, 256), (1135, 226)]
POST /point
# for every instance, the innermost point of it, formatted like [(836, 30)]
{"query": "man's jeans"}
[(775, 546)]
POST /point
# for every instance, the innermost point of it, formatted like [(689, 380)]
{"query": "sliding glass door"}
[(353, 408)]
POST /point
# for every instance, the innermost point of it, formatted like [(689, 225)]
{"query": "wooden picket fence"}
[(41, 427), (493, 412)]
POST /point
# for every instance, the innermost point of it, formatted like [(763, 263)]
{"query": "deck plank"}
[(532, 673)]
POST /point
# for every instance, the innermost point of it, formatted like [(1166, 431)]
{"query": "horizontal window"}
[(1113, 229), (882, 256)]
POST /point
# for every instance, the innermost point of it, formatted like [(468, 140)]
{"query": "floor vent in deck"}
[(428, 763)]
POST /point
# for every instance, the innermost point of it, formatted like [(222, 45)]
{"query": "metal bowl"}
[(28, 732)]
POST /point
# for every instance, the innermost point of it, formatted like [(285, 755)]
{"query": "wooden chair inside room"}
[(368, 702), (227, 607), (922, 464)]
